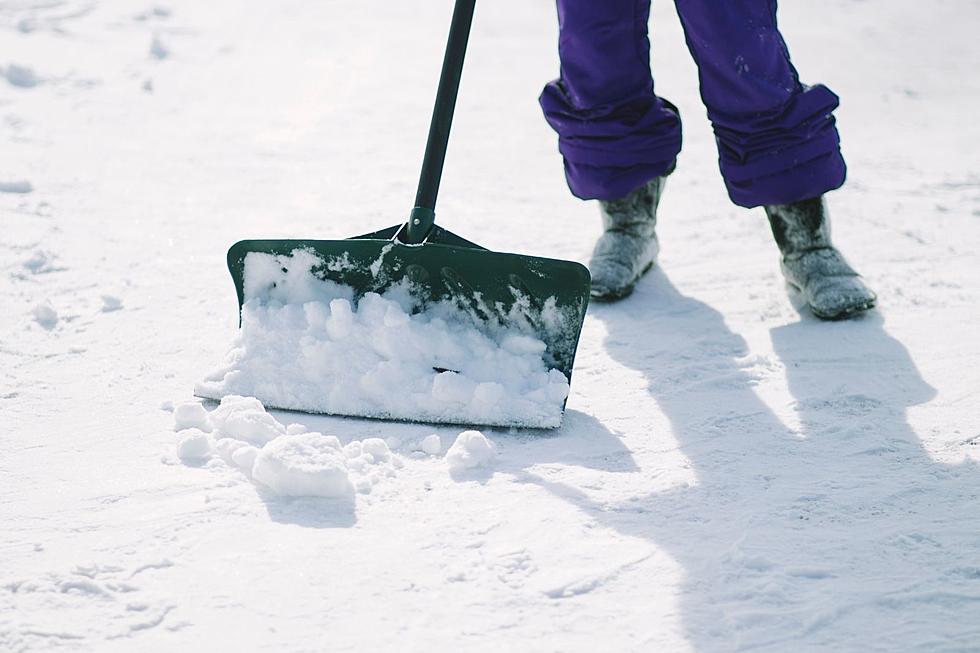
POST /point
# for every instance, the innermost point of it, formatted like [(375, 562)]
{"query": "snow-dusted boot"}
[(628, 246), (812, 265)]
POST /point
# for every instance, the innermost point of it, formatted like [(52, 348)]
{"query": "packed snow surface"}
[(305, 345), (730, 475)]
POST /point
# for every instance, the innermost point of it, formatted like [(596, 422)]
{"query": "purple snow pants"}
[(777, 140)]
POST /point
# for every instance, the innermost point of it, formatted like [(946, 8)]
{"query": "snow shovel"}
[(542, 297)]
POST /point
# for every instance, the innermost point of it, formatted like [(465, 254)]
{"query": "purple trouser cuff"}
[(783, 156), (611, 150), (776, 138)]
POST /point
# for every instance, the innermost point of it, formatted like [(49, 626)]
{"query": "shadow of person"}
[(903, 526), (841, 535)]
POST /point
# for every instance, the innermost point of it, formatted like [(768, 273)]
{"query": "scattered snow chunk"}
[(376, 448), (39, 262), (158, 49), (244, 418), (245, 456), (293, 461), (432, 444), (226, 447), (353, 449), (305, 464), (21, 76), (111, 303), (191, 414), (363, 485), (237, 453), (16, 186), (471, 449), (167, 406), (45, 315), (194, 445)]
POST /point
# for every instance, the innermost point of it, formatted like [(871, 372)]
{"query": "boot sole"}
[(620, 293), (847, 313)]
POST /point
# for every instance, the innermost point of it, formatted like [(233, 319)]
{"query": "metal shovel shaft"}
[(423, 214)]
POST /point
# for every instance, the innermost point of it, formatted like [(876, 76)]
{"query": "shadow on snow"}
[(844, 532)]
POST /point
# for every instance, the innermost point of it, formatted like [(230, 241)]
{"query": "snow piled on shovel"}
[(305, 344)]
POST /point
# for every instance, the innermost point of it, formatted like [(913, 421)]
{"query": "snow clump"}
[(22, 76), (39, 262), (471, 449), (20, 186), (305, 464), (432, 444), (158, 50), (290, 461), (111, 303), (191, 414), (45, 315), (244, 418), (194, 445), (305, 345)]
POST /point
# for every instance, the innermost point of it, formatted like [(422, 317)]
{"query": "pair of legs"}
[(777, 140)]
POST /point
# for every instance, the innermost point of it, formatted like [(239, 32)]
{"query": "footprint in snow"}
[(107, 595)]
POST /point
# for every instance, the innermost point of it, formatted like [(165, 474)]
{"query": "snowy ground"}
[(732, 475)]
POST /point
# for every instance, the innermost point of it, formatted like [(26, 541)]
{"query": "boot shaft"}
[(635, 214), (800, 227)]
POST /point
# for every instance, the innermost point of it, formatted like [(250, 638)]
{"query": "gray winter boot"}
[(628, 246), (812, 265)]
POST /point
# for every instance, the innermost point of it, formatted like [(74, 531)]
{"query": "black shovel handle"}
[(423, 214)]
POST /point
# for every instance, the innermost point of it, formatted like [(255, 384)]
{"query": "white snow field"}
[(730, 473)]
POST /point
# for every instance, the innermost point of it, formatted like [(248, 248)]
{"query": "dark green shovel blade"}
[(546, 298)]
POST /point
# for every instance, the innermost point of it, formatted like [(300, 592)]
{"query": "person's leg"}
[(615, 135), (777, 139), (777, 142)]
